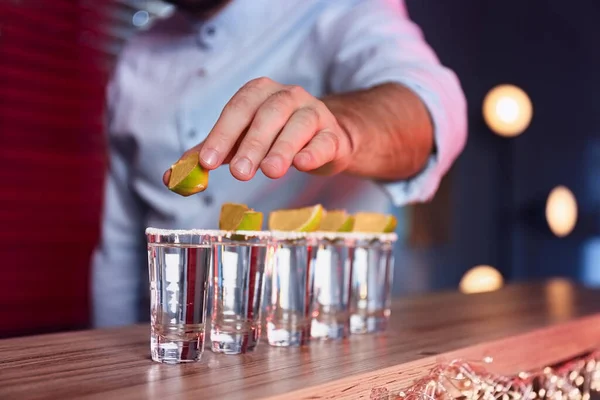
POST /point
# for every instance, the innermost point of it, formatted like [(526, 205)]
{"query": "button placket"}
[(208, 36)]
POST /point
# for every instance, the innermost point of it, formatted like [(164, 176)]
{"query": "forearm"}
[(390, 130)]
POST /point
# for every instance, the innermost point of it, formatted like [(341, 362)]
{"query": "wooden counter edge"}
[(511, 355)]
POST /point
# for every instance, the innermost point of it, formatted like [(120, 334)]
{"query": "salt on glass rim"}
[(288, 235), (320, 235), (247, 234), (208, 232), (354, 236), (278, 235), (192, 232)]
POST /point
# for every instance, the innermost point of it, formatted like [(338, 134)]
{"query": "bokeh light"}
[(561, 211), (507, 110), (482, 278)]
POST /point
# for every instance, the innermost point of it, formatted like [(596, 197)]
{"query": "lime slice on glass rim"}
[(366, 222), (187, 176), (239, 217), (337, 221), (307, 219)]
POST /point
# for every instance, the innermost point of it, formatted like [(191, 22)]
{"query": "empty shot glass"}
[(178, 263), (332, 285), (238, 265), (290, 280), (372, 276)]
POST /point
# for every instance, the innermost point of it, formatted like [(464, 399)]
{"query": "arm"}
[(389, 128), (118, 261), (403, 109), (384, 81)]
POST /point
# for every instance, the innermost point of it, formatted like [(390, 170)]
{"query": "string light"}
[(507, 110), (459, 379), (561, 211), (482, 278)]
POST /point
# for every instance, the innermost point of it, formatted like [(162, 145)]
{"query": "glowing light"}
[(561, 211), (507, 110), (482, 278)]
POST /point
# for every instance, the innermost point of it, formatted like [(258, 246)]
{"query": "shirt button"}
[(210, 30), (208, 200), (201, 72), (192, 133)]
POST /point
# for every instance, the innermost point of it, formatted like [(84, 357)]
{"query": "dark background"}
[(55, 57)]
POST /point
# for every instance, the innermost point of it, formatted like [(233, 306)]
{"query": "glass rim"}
[(353, 236), (207, 233), (150, 231), (358, 237), (233, 238)]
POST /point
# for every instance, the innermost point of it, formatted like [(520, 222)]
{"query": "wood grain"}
[(523, 327)]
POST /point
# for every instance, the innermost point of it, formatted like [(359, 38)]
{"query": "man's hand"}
[(382, 133), (271, 126)]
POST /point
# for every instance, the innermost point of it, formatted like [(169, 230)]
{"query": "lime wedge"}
[(239, 217), (307, 219), (337, 221), (374, 223), (187, 176), (231, 215), (251, 221)]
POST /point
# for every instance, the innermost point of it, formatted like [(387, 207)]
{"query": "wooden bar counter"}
[(522, 327)]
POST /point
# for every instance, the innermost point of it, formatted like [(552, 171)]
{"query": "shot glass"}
[(372, 276), (238, 264), (178, 263), (332, 285), (290, 280)]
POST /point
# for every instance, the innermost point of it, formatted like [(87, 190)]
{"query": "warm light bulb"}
[(482, 278), (561, 211), (507, 110)]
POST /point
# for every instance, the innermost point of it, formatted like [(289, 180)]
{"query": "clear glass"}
[(332, 289), (179, 269), (237, 287), (372, 276), (290, 293)]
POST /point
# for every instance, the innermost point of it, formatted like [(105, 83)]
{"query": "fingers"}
[(271, 126), (166, 177), (322, 149), (298, 131), (268, 122), (235, 118)]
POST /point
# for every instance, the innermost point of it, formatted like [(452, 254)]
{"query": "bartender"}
[(307, 101)]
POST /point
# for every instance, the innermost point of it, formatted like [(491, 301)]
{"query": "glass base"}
[(286, 336), (368, 324), (232, 341), (329, 329), (168, 351)]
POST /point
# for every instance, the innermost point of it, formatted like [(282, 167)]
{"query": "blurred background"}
[(522, 202)]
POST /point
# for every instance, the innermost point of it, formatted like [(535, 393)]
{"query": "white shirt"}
[(172, 82)]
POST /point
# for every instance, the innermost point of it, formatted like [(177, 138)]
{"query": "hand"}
[(272, 126)]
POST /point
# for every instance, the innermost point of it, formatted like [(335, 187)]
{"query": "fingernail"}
[(274, 161), (209, 157), (166, 177), (302, 158), (243, 166)]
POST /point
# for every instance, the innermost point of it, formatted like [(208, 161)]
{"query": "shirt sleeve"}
[(374, 42), (118, 261)]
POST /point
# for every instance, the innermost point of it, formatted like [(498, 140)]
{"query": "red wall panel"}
[(54, 63)]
